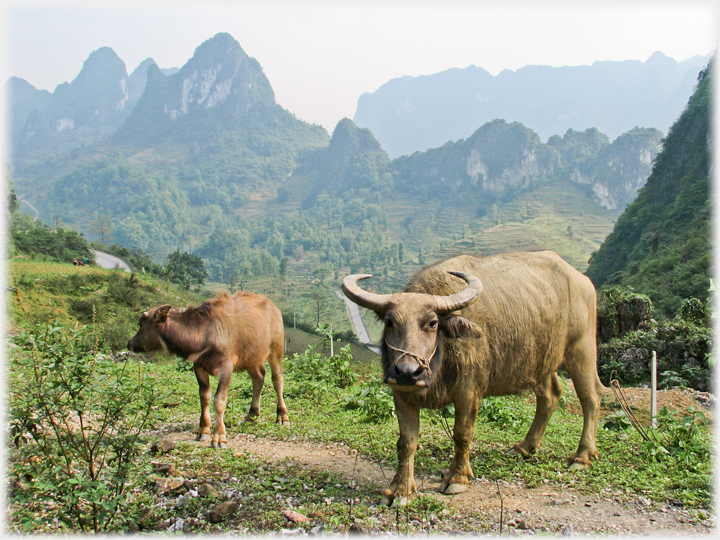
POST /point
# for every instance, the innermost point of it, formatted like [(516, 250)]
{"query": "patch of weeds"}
[(374, 399)]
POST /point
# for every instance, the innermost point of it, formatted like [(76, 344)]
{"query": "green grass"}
[(322, 416), (321, 412)]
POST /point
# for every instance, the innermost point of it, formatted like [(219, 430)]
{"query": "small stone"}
[(164, 468), (206, 490), (222, 510), (165, 486), (179, 525), (295, 517), (162, 447)]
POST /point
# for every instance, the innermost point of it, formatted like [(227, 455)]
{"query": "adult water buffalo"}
[(445, 342), (224, 334)]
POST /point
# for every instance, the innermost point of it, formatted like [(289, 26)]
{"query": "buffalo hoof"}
[(284, 420), (577, 466), (518, 450), (454, 489), (202, 437), (218, 444)]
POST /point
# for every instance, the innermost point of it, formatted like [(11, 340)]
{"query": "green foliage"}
[(683, 354), (186, 269), (661, 243), (311, 372), (502, 411), (77, 420), (37, 239), (617, 421), (374, 399), (680, 439)]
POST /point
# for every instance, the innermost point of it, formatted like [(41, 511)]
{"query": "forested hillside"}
[(661, 244), (209, 164)]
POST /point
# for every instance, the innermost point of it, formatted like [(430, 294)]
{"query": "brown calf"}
[(224, 334)]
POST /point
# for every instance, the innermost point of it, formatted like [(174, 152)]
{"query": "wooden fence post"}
[(653, 390)]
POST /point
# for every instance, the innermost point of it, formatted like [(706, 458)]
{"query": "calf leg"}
[(257, 375), (403, 484), (275, 361), (203, 379), (580, 363), (219, 438), (456, 480), (547, 397)]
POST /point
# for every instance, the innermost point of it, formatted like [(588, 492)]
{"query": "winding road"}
[(105, 260), (357, 323)]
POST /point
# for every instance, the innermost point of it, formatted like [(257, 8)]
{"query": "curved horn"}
[(376, 302), (459, 300)]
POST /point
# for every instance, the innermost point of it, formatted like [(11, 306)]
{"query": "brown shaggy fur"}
[(535, 314), (227, 333)]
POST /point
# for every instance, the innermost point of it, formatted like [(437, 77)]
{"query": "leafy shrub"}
[(617, 421), (681, 439), (76, 421), (501, 411), (374, 399), (313, 372)]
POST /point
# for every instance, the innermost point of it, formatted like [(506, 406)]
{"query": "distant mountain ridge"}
[(500, 160), (208, 162), (219, 84), (411, 114), (661, 244), (84, 111)]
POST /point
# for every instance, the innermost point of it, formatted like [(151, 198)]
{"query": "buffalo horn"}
[(444, 304), (453, 302), (369, 300)]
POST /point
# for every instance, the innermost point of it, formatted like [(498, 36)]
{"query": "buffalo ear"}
[(456, 326), (162, 312)]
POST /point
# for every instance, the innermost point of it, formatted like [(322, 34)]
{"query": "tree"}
[(186, 269), (319, 303), (103, 226)]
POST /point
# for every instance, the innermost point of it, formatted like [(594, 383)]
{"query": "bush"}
[(75, 420), (374, 399)]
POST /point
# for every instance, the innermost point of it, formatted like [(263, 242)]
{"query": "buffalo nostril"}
[(408, 370)]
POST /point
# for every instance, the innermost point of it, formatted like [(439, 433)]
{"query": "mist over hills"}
[(661, 244), (408, 114), (207, 162)]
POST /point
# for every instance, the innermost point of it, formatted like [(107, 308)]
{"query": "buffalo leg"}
[(275, 361), (456, 480), (219, 438), (403, 484), (257, 375), (203, 379), (547, 397), (580, 363)]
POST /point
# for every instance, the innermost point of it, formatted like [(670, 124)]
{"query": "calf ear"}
[(162, 312), (456, 326)]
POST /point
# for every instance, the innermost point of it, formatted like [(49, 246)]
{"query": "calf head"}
[(415, 324), (148, 337)]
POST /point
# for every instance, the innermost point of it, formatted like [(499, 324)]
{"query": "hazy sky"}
[(320, 56)]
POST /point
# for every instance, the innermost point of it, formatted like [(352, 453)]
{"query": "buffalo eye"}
[(433, 323), (388, 322)]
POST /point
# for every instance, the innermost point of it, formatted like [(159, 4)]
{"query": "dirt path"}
[(526, 511)]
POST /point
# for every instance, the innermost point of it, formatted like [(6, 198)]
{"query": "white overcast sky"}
[(320, 56)]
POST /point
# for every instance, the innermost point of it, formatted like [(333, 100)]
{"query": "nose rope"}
[(424, 362)]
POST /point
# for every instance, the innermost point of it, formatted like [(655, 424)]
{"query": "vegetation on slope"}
[(661, 244)]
